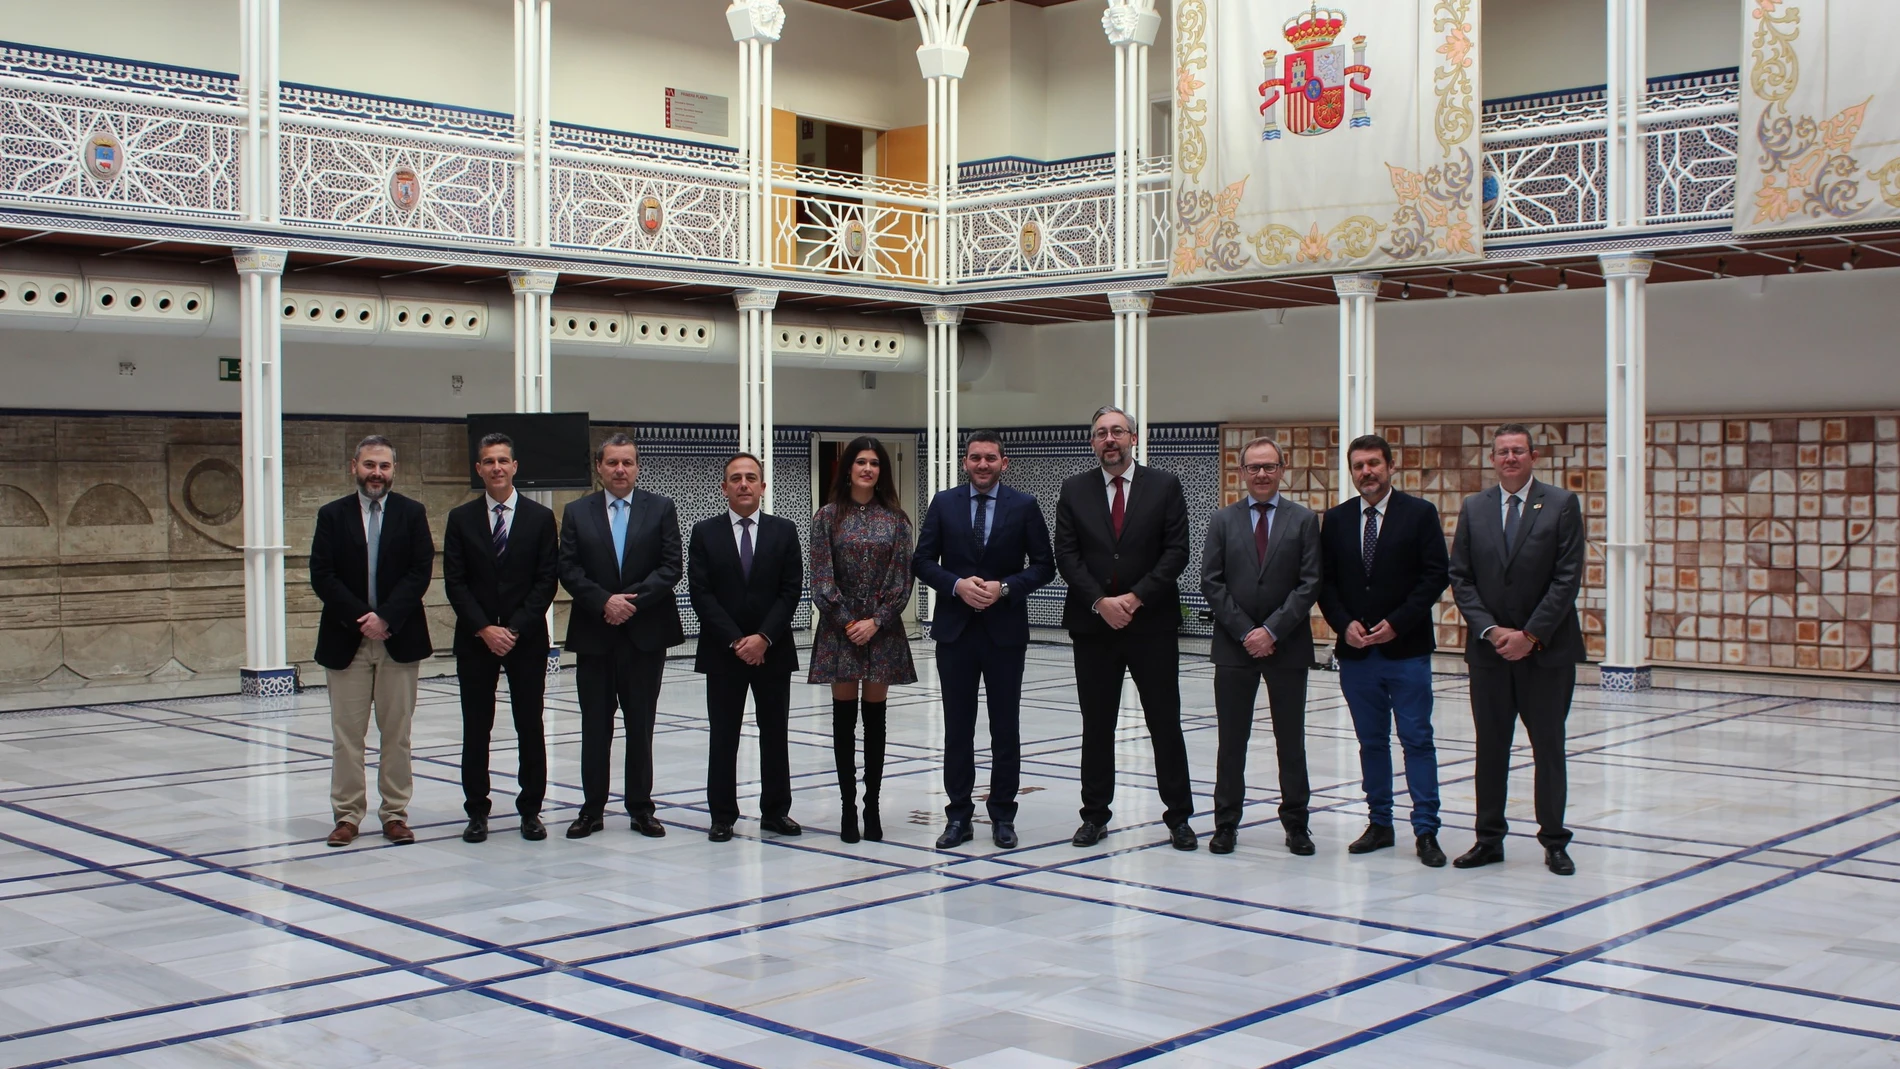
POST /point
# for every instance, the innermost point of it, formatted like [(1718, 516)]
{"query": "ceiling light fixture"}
[(1405, 291), (1505, 286), (1800, 261), (1563, 279), (1451, 287), (1853, 257), (1720, 267)]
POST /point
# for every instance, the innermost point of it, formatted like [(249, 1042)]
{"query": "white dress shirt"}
[(1369, 511), (507, 512), (738, 532), (1128, 489), (1523, 502), (362, 503)]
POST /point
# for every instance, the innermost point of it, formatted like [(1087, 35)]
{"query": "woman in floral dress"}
[(860, 583)]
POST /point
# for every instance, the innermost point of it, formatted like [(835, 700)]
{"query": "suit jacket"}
[(1017, 553), (732, 605), (1277, 593), (513, 591), (1408, 573), (1146, 560), (649, 572), (1531, 586), (339, 573)]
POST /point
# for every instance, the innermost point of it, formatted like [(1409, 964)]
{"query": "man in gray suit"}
[(1516, 564), (1260, 571)]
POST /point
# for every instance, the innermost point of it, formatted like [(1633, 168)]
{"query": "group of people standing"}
[(1375, 567)]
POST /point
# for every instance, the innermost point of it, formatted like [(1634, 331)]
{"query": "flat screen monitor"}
[(551, 448)]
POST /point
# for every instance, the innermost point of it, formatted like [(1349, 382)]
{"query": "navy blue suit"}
[(987, 646)]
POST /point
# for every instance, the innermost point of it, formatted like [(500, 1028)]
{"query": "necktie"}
[(373, 539), (745, 546), (620, 532), (501, 531), (1510, 526), (982, 517), (1371, 544), (1260, 530), (1118, 508)]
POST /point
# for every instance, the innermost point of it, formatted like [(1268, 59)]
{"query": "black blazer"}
[(1017, 553), (339, 573), (514, 591), (732, 605), (1147, 560), (649, 572), (1408, 574), (1531, 586), (1246, 593)]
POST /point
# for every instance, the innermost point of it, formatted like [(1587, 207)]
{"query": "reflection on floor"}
[(166, 900)]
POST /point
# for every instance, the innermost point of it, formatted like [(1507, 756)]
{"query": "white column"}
[(267, 672), (1358, 295), (757, 338), (534, 360), (1130, 26), (1626, 157), (755, 26), (940, 430), (258, 50), (534, 33), (942, 59), (1626, 474), (1131, 362)]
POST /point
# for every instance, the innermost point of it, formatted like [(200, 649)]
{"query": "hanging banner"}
[(1317, 140), (1820, 114)]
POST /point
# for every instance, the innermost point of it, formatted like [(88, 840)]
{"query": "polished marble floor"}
[(166, 900)]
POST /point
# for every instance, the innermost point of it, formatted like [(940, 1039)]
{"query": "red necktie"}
[(1118, 508)]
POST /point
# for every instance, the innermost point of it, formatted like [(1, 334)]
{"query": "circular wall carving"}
[(214, 492)]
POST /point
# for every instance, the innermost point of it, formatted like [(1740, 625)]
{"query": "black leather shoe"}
[(781, 825), (1300, 844), (647, 825), (1088, 834), (477, 830), (1004, 834), (586, 824), (1429, 855), (1558, 861), (1375, 837), (532, 829), (955, 834), (1480, 854), (719, 833), (1183, 838), (1223, 841)]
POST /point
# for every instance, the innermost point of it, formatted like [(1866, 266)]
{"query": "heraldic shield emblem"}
[(102, 155), (1315, 79), (405, 188)]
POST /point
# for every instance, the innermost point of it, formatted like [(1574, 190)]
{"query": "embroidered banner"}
[(1324, 139), (1820, 114)]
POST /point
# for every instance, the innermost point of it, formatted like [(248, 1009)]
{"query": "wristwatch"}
[(1004, 590)]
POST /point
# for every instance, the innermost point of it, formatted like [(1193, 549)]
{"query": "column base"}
[(268, 683), (1624, 679)]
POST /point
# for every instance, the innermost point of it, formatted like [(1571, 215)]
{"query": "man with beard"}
[(1121, 543), (370, 562)]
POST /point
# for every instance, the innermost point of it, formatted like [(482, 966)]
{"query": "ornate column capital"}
[(260, 261), (1625, 265), (1364, 284), (763, 20), (538, 282), (942, 316), (755, 300), (942, 61), (1127, 24), (1131, 302)]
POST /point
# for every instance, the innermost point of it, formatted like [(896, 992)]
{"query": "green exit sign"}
[(230, 369)]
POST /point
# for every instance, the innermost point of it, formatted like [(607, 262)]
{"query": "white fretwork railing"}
[(862, 240)]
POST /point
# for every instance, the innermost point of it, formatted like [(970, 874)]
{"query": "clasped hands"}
[(1512, 645), (1119, 610), (979, 594), (1359, 638), (498, 639), (860, 631), (619, 610), (751, 649), (373, 626)]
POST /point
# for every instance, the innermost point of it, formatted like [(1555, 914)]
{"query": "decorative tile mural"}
[(1774, 538)]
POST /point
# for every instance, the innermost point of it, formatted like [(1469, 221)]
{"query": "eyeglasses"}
[(1511, 452), (1103, 434), (1261, 469)]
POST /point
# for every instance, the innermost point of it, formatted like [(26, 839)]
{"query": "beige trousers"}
[(371, 680)]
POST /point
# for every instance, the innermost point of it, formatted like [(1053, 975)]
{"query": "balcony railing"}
[(353, 165)]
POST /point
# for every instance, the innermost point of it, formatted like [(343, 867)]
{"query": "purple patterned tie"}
[(1371, 545), (501, 531), (745, 546)]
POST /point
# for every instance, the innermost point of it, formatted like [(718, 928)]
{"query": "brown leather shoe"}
[(397, 831), (342, 835)]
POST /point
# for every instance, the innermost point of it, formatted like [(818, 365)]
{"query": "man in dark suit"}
[(745, 575), (1383, 554), (1516, 564), (371, 560), (1260, 573), (1121, 542), (498, 565), (620, 559), (983, 548)]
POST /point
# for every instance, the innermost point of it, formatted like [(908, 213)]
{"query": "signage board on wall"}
[(700, 113)]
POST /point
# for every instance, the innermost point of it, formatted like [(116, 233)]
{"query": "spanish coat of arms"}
[(1313, 81)]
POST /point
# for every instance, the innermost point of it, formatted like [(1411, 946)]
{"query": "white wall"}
[(458, 52), (1536, 46), (181, 33)]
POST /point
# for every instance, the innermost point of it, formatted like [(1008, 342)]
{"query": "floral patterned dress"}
[(860, 570)]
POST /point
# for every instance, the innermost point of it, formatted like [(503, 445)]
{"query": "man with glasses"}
[(1260, 572), (1516, 564), (1121, 542)]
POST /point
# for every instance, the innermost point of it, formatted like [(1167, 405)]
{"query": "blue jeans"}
[(1382, 692)]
